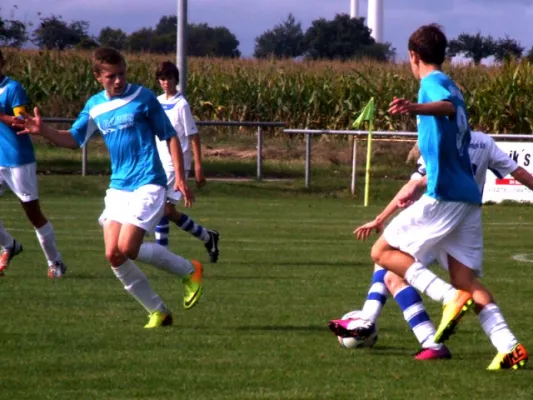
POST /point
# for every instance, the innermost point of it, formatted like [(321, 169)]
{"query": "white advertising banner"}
[(497, 190)]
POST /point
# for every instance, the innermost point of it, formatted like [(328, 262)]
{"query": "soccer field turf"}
[(287, 266)]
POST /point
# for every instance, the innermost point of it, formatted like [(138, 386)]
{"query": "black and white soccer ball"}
[(356, 343)]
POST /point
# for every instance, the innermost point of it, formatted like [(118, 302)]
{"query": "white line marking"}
[(525, 257)]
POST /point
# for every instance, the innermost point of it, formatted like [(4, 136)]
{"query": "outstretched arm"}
[(524, 177), (35, 126), (435, 108)]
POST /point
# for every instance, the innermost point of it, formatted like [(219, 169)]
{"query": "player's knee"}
[(393, 282), (129, 250), (376, 254), (115, 257)]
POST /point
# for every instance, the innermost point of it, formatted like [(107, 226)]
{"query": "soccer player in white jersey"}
[(18, 173), (446, 220), (129, 117), (485, 155), (178, 111)]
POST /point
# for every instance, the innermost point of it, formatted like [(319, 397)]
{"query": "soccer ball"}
[(355, 343)]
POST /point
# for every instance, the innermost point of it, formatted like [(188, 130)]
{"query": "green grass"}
[(288, 264)]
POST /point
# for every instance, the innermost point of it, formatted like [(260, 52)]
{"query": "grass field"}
[(288, 264)]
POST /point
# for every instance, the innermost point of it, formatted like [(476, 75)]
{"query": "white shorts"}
[(144, 207), (432, 229), (22, 181), (174, 196)]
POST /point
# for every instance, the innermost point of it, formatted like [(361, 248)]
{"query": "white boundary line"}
[(524, 257)]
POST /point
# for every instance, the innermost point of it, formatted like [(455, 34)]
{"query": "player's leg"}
[(209, 237), (374, 303), (148, 204), (416, 316), (133, 279), (24, 185), (510, 353), (10, 248)]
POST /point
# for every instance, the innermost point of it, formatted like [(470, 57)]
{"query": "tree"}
[(475, 47), (54, 33), (286, 40), (507, 49), (141, 40), (12, 33), (205, 41), (342, 38), (110, 37)]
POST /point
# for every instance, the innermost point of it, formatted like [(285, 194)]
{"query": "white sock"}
[(136, 284), (496, 328), (162, 258), (6, 240), (427, 282), (377, 295), (47, 239)]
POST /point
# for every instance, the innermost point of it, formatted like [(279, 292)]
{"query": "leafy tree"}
[(12, 33), (342, 38), (110, 37), (507, 49), (205, 41), (54, 33), (474, 47), (141, 40), (286, 40)]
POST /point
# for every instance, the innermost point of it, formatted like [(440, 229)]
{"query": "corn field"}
[(303, 94)]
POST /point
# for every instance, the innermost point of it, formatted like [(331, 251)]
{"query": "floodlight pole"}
[(181, 45), (354, 8)]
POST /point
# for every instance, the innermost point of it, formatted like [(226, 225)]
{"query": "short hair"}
[(106, 55), (167, 69), (429, 42)]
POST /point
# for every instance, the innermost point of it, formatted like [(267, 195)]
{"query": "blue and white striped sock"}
[(188, 225), (377, 295), (416, 316), (161, 232)]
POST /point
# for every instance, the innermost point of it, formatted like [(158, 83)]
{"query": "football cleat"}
[(515, 359), (57, 270), (433, 354), (348, 328), (212, 245), (7, 255), (452, 312), (193, 286), (157, 319)]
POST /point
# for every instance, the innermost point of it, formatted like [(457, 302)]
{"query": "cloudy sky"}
[(249, 18)]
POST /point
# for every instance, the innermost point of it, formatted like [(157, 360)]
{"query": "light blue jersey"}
[(128, 124), (443, 143), (15, 149)]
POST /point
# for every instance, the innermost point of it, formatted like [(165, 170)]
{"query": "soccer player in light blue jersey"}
[(129, 117), (446, 220), (18, 172), (178, 111)]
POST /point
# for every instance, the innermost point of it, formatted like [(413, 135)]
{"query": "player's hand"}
[(364, 231), (400, 106), (188, 196), (199, 178), (11, 121), (28, 124)]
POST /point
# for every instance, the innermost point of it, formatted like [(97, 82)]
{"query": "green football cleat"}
[(193, 286), (515, 359), (157, 319)]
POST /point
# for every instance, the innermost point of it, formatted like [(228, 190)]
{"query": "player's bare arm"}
[(436, 108), (524, 177), (35, 126), (198, 167), (174, 147)]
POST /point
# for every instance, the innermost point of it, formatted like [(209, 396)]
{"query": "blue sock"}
[(161, 232), (188, 225), (416, 316), (377, 295)]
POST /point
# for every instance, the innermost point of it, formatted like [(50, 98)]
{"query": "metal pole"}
[(84, 160), (259, 154), (354, 163), (308, 160), (181, 45)]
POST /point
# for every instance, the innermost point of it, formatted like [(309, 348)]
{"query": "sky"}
[(248, 19)]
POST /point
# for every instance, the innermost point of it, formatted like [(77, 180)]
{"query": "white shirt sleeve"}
[(420, 170), (499, 162), (187, 120)]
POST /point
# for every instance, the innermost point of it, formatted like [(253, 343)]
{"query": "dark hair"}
[(167, 69), (430, 43), (106, 55)]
